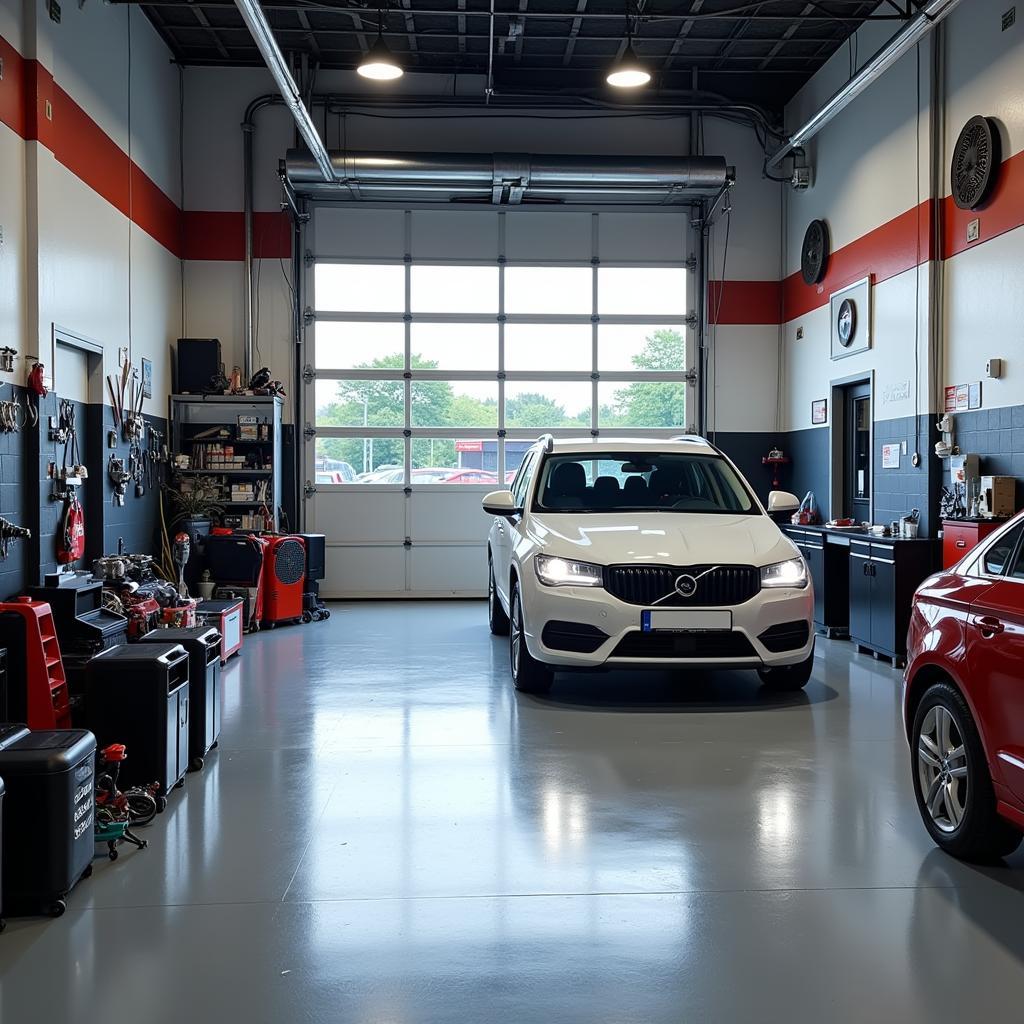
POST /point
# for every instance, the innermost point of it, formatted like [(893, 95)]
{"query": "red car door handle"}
[(989, 625)]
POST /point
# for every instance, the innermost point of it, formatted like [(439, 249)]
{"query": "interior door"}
[(995, 656), (857, 453)]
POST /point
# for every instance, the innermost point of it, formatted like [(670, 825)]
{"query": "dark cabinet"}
[(883, 578), (828, 568)]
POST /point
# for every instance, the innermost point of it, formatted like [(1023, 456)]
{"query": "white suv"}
[(611, 553)]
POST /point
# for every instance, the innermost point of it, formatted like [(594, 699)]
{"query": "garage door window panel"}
[(648, 347), (355, 345), (455, 461), (547, 404), (359, 288), (457, 347), (454, 289), (344, 461), (454, 403), (360, 403), (549, 291), (641, 291), (641, 403), (549, 347)]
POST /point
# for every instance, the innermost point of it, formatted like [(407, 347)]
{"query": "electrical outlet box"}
[(974, 230), (799, 334), (994, 369)]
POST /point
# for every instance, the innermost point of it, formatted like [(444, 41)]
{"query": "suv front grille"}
[(694, 646), (648, 584)]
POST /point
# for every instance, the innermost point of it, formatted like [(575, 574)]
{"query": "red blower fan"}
[(284, 580)]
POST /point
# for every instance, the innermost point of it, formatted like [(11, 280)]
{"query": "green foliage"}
[(381, 403)]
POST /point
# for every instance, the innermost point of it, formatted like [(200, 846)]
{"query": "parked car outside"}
[(963, 699), (644, 553)]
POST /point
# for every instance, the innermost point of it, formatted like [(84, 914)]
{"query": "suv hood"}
[(661, 538)]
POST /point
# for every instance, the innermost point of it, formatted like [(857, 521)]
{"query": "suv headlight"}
[(791, 573), (563, 572)]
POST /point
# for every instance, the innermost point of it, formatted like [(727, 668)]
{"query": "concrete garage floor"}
[(389, 834)]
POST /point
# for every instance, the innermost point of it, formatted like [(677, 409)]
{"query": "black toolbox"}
[(138, 696), (203, 646), (48, 830)]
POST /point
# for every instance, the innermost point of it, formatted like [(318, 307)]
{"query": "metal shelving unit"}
[(191, 415)]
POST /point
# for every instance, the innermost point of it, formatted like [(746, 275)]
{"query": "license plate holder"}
[(683, 620)]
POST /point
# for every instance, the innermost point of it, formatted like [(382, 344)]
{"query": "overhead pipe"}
[(906, 39), (254, 18), (509, 177)]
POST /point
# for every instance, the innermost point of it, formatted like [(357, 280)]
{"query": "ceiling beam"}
[(684, 30), (313, 44), (574, 31), (205, 22)]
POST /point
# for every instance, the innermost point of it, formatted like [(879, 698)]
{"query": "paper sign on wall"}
[(890, 456), (963, 398), (950, 398)]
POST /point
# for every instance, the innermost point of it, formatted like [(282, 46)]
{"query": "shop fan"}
[(814, 252)]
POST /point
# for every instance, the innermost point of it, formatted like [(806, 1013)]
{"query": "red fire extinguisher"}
[(71, 539)]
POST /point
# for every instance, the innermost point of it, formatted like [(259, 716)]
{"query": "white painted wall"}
[(70, 258)]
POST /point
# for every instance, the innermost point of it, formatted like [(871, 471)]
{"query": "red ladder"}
[(47, 699)]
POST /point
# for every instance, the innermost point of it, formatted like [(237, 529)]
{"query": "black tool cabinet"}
[(829, 568), (884, 573)]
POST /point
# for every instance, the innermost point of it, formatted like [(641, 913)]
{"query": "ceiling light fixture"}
[(379, 62), (627, 72)]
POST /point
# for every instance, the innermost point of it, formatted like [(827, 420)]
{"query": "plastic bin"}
[(203, 646), (47, 818)]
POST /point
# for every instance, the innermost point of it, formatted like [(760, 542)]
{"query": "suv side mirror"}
[(501, 503), (782, 501)]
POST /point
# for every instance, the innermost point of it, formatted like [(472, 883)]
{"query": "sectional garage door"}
[(441, 343)]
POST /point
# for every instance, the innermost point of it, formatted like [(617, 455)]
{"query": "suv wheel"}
[(788, 677), (496, 617), (528, 674), (952, 781)]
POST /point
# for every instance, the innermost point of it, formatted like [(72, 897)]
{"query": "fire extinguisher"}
[(71, 539)]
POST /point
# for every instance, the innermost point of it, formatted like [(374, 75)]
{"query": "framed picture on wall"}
[(147, 378), (819, 411)]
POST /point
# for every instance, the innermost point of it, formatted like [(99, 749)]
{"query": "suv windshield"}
[(631, 482)]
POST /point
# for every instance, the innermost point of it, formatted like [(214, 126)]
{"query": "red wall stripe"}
[(745, 302), (12, 89), (220, 235), (1003, 212), (890, 249)]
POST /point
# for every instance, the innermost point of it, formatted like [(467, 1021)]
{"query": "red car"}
[(963, 699)]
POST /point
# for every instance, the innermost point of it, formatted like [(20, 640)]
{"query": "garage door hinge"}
[(308, 316), (308, 374), (691, 320), (691, 377), (309, 433), (309, 490), (691, 263), (407, 543), (307, 258)]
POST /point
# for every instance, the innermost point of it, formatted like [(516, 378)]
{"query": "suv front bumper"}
[(595, 609)]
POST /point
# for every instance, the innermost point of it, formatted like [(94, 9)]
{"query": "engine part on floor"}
[(117, 811), (11, 531), (203, 646), (283, 581), (48, 814), (227, 617), (37, 686), (138, 695), (120, 567)]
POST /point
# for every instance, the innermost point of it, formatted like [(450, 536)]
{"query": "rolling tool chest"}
[(138, 695), (227, 617), (47, 818), (202, 643)]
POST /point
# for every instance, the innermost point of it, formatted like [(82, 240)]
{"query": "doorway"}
[(856, 445)]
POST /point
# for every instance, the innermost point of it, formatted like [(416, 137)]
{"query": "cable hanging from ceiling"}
[(628, 72)]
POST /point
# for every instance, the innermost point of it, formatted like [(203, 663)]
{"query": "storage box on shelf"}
[(233, 444)]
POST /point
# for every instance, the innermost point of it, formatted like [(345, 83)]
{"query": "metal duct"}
[(508, 178), (915, 30)]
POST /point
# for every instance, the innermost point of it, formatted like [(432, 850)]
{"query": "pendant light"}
[(627, 72), (379, 62)]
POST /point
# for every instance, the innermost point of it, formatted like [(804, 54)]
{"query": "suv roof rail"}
[(548, 441), (693, 439)]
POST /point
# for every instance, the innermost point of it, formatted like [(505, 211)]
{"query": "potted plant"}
[(193, 509)]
